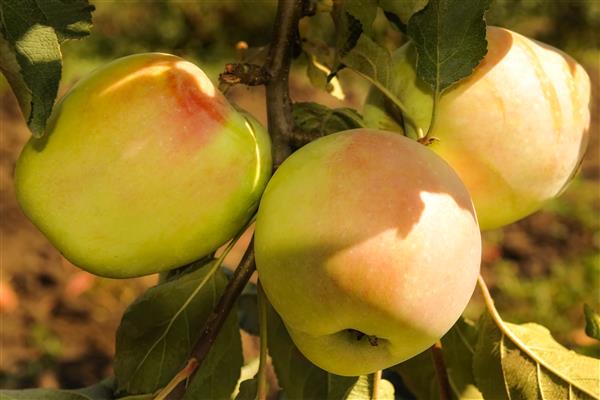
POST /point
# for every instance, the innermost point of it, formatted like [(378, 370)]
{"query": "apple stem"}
[(181, 376), (427, 139), (441, 372), (376, 380), (263, 387)]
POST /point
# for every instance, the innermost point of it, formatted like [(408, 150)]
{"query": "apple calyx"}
[(373, 340)]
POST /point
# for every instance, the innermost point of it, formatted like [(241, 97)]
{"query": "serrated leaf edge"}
[(506, 332)]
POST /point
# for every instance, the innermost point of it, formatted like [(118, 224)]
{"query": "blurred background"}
[(58, 322)]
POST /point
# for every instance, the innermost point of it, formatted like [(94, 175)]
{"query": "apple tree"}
[(367, 223)]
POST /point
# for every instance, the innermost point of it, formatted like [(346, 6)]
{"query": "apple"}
[(145, 167), (368, 247), (515, 130)]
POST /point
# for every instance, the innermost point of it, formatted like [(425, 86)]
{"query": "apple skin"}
[(145, 167), (515, 131), (371, 231)]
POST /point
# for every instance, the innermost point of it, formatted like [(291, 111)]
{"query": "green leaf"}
[(419, 376), (347, 31), (298, 377), (316, 119), (247, 384), (363, 389), (30, 57), (525, 362), (160, 328), (248, 309), (319, 75), (41, 394), (374, 63), (100, 391), (402, 9), (458, 347), (449, 36), (248, 390), (364, 11), (592, 322)]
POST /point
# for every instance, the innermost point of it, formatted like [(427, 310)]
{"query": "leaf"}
[(41, 394), (402, 9), (525, 362), (318, 74), (364, 11), (248, 309), (159, 329), (419, 376), (449, 36), (592, 322), (458, 347), (248, 390), (30, 57), (374, 63), (316, 119), (297, 376), (100, 391), (347, 31), (363, 389), (245, 388)]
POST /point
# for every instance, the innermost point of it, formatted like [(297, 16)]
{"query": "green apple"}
[(515, 131), (368, 247), (145, 167)]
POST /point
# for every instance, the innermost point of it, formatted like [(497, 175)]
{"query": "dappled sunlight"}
[(149, 72), (377, 204), (258, 169), (205, 85)]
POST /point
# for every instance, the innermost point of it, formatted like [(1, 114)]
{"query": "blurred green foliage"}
[(566, 24), (204, 29), (210, 28)]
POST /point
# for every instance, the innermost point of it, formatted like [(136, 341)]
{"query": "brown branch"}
[(279, 104), (217, 318), (440, 371)]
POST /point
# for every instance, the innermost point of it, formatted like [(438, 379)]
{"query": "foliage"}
[(30, 55)]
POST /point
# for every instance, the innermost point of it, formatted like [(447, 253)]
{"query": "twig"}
[(441, 372), (217, 318), (279, 104), (263, 388), (376, 381), (181, 376), (245, 74)]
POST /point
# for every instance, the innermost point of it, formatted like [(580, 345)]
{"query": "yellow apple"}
[(368, 247), (145, 167), (515, 130)]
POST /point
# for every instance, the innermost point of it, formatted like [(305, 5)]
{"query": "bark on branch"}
[(279, 104)]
